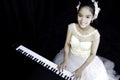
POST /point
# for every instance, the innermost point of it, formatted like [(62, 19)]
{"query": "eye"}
[(88, 17), (79, 15)]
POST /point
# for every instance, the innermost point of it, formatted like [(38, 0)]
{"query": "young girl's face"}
[(85, 17)]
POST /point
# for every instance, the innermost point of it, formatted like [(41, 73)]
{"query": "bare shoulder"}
[(71, 24)]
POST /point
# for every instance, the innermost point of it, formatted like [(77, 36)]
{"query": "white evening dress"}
[(80, 51)]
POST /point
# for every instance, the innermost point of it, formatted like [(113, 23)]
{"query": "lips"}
[(83, 24)]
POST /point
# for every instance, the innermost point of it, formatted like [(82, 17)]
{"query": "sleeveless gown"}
[(80, 51)]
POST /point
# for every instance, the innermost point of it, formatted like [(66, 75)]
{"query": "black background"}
[(41, 26)]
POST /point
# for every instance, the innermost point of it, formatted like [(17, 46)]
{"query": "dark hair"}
[(90, 5)]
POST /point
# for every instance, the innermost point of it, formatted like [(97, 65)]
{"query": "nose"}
[(83, 19)]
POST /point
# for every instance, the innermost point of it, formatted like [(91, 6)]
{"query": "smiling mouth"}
[(83, 23)]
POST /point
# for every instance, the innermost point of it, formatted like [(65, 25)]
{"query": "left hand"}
[(76, 74)]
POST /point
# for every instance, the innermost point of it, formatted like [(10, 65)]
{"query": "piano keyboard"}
[(44, 62)]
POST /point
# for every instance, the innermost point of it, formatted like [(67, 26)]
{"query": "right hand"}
[(62, 66)]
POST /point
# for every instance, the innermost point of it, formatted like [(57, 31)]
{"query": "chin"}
[(83, 26)]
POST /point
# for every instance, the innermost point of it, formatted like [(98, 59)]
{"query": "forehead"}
[(85, 11)]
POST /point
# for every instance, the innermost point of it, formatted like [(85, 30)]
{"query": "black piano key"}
[(20, 50), (48, 67), (52, 68), (30, 56), (55, 71), (70, 79), (61, 74), (35, 59), (58, 72), (43, 63), (25, 53), (39, 62), (65, 76)]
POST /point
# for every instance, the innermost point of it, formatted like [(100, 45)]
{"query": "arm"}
[(66, 50), (67, 44)]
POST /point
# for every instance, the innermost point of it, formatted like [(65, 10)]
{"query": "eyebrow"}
[(88, 15), (82, 15)]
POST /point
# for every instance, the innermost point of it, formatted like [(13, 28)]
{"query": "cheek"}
[(89, 20), (78, 18)]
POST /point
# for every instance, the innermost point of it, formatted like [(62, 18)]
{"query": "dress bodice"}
[(80, 44), (78, 47)]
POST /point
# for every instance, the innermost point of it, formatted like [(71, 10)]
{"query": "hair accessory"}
[(97, 9), (93, 0), (78, 6)]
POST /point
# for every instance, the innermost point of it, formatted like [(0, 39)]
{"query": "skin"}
[(84, 19)]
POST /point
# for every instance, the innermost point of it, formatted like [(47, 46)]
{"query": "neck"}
[(86, 28)]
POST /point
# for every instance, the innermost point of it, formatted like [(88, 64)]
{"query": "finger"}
[(73, 74), (77, 78), (59, 67), (74, 78), (63, 67)]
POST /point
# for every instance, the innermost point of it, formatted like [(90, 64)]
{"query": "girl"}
[(82, 41)]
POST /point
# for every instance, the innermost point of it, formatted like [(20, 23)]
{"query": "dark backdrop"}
[(41, 26)]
